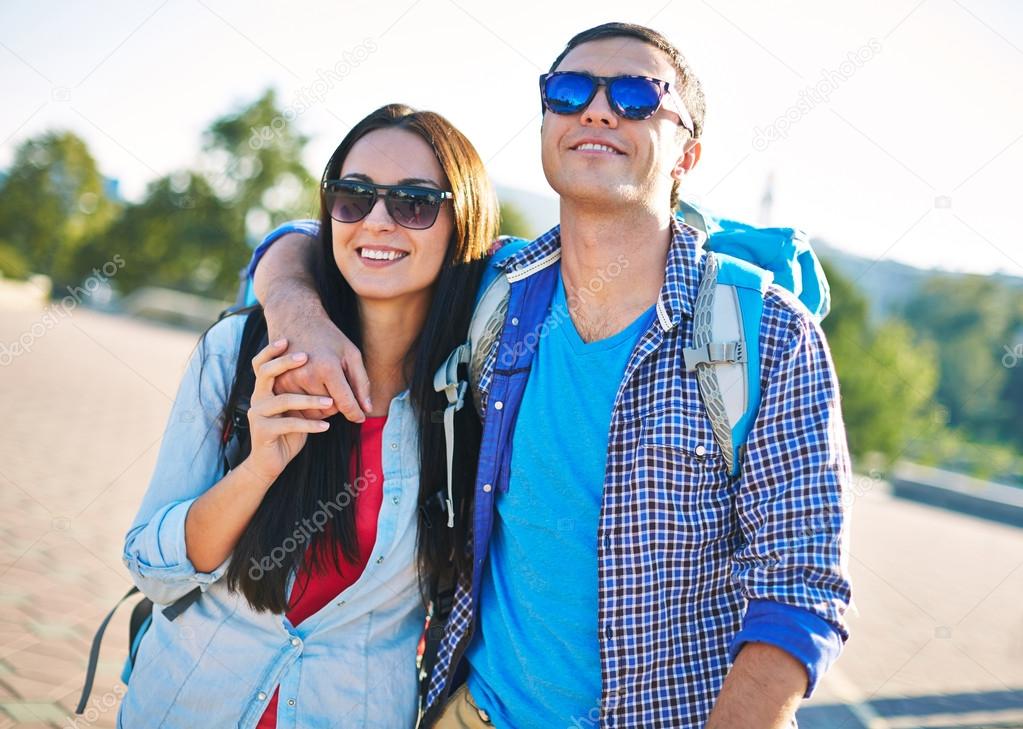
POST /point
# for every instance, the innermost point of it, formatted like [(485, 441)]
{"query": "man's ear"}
[(690, 156)]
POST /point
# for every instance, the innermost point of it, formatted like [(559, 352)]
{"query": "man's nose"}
[(599, 113)]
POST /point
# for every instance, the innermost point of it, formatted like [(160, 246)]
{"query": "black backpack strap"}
[(235, 436), (90, 671), (138, 616), (442, 598)]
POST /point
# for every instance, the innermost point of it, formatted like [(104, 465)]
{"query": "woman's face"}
[(392, 157)]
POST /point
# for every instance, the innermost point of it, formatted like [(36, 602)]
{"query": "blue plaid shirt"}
[(688, 556)]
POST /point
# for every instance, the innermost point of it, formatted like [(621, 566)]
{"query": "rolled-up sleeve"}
[(189, 464), (789, 499)]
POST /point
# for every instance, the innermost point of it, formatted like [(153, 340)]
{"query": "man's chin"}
[(595, 193)]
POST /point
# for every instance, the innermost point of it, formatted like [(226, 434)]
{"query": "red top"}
[(313, 591)]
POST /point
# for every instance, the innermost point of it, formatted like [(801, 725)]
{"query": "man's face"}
[(645, 155)]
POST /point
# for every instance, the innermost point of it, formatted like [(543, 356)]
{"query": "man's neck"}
[(612, 263), (389, 329)]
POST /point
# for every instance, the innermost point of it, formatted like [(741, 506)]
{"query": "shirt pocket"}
[(681, 461)]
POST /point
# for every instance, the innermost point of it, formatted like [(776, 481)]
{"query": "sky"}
[(891, 128)]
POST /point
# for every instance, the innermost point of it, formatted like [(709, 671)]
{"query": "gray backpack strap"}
[(484, 333), (725, 353), (717, 356)]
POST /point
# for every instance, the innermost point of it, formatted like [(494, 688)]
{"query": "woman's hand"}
[(276, 436)]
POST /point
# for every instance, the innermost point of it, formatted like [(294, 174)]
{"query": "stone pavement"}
[(939, 632)]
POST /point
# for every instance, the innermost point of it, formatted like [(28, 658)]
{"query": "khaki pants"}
[(461, 712)]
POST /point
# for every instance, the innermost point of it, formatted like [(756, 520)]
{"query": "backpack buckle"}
[(714, 353)]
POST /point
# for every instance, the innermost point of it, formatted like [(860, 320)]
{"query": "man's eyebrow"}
[(358, 176)]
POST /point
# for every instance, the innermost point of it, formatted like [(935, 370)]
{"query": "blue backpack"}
[(740, 262)]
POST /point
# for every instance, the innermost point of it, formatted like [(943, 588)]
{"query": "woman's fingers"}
[(267, 353), (277, 427), (267, 370), (289, 402)]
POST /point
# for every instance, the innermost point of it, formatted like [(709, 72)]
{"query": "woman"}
[(311, 552)]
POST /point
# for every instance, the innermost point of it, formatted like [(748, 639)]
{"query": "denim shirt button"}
[(291, 702), (395, 499), (487, 488), (296, 642), (261, 696), (380, 560), (515, 321), (498, 405)]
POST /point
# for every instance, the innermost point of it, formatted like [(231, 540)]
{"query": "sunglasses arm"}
[(679, 108)]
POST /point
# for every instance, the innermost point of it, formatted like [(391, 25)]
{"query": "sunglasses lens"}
[(414, 208), (349, 202), (568, 93), (635, 98)]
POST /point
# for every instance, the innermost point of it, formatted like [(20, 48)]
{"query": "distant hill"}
[(889, 284)]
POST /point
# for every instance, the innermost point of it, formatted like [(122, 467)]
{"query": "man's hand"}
[(283, 284), (762, 691)]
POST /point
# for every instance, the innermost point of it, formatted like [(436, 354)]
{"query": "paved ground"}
[(938, 639)]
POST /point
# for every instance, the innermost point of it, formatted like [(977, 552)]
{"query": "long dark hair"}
[(320, 473)]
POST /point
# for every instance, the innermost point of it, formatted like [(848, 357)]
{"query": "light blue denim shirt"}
[(352, 664)]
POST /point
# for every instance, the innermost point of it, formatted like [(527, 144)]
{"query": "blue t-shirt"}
[(535, 655)]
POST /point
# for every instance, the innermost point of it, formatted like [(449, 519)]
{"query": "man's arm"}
[(790, 563), (283, 283), (762, 690)]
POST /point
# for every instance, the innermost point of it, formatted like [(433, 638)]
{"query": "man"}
[(621, 576)]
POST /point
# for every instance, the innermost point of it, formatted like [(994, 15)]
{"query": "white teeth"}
[(597, 147), (382, 255)]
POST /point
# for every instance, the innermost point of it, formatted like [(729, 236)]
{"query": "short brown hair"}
[(686, 82)]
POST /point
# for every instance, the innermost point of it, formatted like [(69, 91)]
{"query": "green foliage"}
[(12, 263), (974, 319), (180, 236), (514, 223), (52, 201), (887, 380), (253, 162)]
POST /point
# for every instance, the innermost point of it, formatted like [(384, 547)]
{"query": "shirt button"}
[(394, 446), (487, 488), (291, 702), (380, 560), (395, 499), (607, 632), (261, 696), (700, 450), (515, 321), (296, 642), (498, 405), (340, 603)]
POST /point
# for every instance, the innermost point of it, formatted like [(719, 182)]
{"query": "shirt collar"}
[(681, 275)]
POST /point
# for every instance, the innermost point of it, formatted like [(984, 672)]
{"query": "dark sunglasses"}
[(410, 206), (630, 97)]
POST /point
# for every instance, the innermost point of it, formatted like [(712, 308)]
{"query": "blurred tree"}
[(51, 201), (252, 160), (887, 380), (180, 236), (971, 317), (514, 223)]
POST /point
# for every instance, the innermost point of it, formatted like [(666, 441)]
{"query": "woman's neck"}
[(389, 329)]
